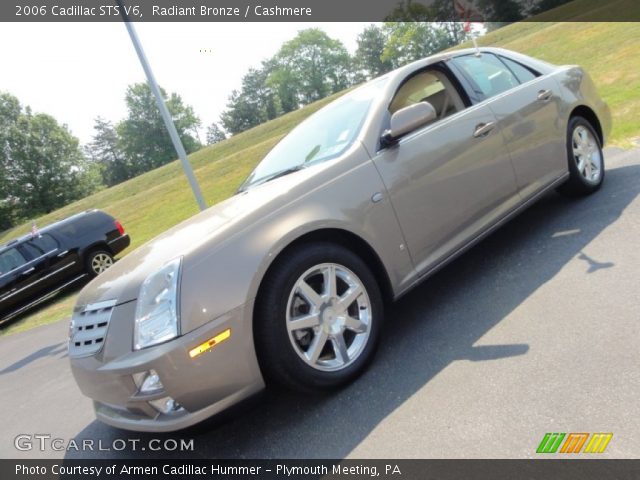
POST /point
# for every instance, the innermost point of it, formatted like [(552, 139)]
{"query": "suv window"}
[(83, 224), (39, 246), (489, 75), (10, 260), (42, 244)]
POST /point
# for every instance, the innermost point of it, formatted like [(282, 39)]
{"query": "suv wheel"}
[(98, 261)]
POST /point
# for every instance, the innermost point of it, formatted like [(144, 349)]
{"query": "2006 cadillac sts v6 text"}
[(285, 281)]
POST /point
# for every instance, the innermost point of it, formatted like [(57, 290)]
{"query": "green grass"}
[(151, 203)]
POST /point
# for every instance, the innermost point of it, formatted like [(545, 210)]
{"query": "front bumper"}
[(203, 386)]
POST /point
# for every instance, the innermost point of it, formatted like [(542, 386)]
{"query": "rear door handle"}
[(62, 254), (27, 272), (483, 129), (544, 95)]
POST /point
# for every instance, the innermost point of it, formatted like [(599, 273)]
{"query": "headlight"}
[(157, 309)]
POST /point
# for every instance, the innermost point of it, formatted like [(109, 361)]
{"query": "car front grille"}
[(88, 329)]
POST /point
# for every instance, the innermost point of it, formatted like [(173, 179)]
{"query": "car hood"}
[(122, 281)]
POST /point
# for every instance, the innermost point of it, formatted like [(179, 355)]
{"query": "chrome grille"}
[(88, 328)]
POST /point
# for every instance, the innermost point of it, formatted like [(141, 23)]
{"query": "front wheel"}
[(318, 318), (586, 160)]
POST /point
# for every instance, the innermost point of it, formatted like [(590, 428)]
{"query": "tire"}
[(289, 354), (97, 262), (583, 143)]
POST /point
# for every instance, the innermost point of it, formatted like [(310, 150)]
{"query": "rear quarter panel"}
[(578, 89)]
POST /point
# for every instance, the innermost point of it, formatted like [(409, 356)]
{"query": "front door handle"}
[(544, 95), (27, 272), (483, 129)]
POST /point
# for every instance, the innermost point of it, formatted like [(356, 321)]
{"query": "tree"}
[(42, 165), (104, 150), (500, 12), (10, 111), (410, 41), (450, 21), (544, 5), (143, 137), (410, 11), (306, 68), (239, 115), (255, 103), (260, 94), (215, 134), (285, 83), (313, 65), (368, 56)]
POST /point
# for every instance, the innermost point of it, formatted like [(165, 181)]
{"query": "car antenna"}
[(468, 28), (475, 44), (466, 11)]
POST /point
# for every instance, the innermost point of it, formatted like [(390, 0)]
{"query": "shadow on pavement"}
[(49, 351), (436, 324)]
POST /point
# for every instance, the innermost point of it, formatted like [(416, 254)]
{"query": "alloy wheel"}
[(100, 262), (328, 317), (587, 154)]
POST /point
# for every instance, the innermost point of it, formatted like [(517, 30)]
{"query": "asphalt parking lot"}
[(535, 330)]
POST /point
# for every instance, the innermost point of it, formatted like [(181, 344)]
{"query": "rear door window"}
[(490, 77), (523, 73), (45, 243)]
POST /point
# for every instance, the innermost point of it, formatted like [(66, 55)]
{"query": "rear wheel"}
[(586, 160), (98, 261), (318, 318)]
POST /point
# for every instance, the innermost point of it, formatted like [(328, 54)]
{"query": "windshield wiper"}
[(273, 176), (314, 151)]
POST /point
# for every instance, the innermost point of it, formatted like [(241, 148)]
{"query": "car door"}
[(37, 269), (53, 263), (526, 107), (16, 278), (447, 180)]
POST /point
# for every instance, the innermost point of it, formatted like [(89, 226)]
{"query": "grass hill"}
[(151, 203)]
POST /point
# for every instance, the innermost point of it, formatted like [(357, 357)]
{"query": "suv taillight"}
[(120, 227)]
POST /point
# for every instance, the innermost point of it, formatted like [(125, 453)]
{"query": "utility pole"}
[(166, 116)]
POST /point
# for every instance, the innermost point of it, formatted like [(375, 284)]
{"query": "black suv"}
[(41, 264)]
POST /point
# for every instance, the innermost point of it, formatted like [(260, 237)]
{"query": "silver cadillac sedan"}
[(285, 282)]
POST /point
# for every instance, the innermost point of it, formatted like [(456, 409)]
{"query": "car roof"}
[(49, 228), (543, 67)]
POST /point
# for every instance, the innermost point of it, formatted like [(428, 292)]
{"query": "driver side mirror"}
[(408, 119)]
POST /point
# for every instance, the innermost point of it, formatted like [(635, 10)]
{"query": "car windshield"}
[(323, 136)]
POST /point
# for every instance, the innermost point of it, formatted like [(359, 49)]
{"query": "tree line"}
[(313, 65), (43, 166)]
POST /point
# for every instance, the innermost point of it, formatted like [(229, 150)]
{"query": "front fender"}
[(218, 279)]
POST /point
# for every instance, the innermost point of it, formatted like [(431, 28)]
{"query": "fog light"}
[(166, 405), (148, 382)]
